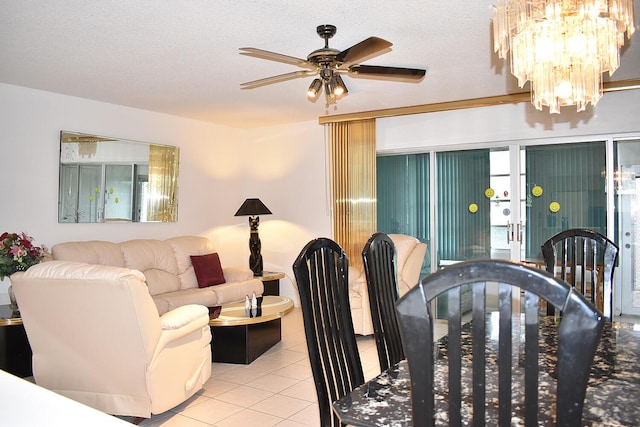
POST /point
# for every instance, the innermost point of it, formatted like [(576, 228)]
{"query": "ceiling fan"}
[(329, 63)]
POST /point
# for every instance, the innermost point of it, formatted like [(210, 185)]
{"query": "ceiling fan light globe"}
[(340, 87), (314, 89), (330, 87)]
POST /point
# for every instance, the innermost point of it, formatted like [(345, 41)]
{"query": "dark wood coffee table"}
[(238, 338)]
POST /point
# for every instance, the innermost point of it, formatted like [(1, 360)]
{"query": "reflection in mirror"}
[(113, 180)]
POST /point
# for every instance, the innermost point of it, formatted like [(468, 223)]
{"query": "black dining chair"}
[(579, 332), (587, 260), (321, 272), (379, 256)]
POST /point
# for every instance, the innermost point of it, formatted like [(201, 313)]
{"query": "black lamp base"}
[(255, 259), (255, 264)]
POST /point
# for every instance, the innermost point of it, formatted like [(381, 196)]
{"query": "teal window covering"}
[(572, 175), (461, 180), (403, 198)]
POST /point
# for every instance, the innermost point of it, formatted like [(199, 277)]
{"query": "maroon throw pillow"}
[(208, 270)]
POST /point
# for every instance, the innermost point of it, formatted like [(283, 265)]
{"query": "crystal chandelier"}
[(562, 46)]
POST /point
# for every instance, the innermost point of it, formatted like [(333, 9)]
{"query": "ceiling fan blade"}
[(276, 79), (273, 56), (389, 72), (368, 48)]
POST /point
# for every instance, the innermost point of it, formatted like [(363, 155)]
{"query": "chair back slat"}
[(505, 358), (587, 260), (454, 351), (479, 347), (531, 351), (321, 275), (578, 335), (379, 260)]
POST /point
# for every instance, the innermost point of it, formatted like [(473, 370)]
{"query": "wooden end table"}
[(15, 351), (238, 338), (271, 281)]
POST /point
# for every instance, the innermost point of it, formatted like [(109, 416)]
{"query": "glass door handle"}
[(514, 232), (510, 234)]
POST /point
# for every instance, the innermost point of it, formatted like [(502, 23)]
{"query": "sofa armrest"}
[(184, 316), (237, 274), (410, 274), (186, 323)]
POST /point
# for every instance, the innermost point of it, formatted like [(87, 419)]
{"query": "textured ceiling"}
[(181, 57)]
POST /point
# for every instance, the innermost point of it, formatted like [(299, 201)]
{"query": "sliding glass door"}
[(492, 203), (565, 186), (503, 202), (462, 208), (627, 180)]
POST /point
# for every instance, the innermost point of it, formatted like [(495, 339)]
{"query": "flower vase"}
[(12, 300)]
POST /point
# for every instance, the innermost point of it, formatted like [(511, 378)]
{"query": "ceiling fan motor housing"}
[(324, 56)]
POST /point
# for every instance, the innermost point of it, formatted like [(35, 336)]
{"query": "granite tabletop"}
[(612, 396)]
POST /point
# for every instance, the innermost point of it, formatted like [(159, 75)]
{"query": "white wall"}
[(284, 166), (219, 168), (616, 113)]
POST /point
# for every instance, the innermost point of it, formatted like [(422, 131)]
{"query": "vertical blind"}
[(403, 198), (352, 153), (461, 180), (571, 175)]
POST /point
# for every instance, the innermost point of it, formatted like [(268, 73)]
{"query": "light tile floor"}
[(275, 390)]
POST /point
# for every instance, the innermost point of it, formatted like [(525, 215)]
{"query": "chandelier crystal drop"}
[(562, 46)]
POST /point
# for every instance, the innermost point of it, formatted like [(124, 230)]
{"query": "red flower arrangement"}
[(17, 253)]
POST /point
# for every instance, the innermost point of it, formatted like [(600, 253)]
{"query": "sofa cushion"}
[(208, 270), (237, 291), (90, 252), (70, 270), (183, 247), (155, 259), (203, 296), (237, 274)]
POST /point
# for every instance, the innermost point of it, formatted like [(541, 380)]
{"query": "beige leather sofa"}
[(410, 254), (167, 267), (97, 338)]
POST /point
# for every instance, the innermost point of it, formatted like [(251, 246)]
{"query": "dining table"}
[(612, 396)]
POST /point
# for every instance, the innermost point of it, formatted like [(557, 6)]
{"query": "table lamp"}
[(255, 207)]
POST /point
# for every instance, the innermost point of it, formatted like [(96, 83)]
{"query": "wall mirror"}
[(106, 179)]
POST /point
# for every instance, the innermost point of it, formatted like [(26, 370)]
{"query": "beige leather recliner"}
[(410, 254), (97, 338)]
